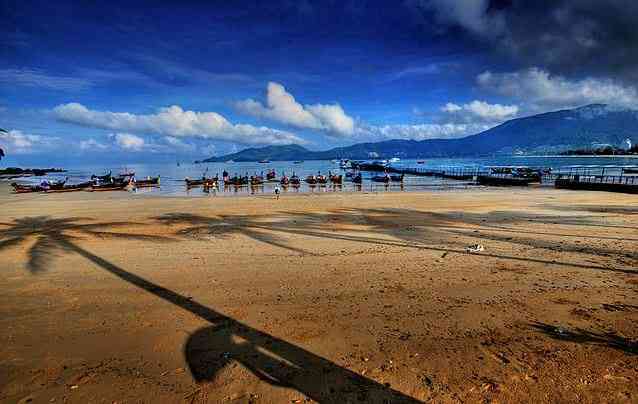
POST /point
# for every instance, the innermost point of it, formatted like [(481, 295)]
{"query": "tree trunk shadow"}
[(273, 360)]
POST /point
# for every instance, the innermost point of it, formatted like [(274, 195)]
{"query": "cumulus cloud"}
[(175, 122), (548, 91), (480, 111), (17, 142), (40, 79), (282, 107)]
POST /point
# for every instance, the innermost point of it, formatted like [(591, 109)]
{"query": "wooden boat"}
[(270, 175), (381, 178), (109, 186), (357, 179), (149, 182), (311, 179), (106, 177), (258, 180), (294, 180), (321, 179), (194, 183), (72, 188), (24, 189), (284, 180), (55, 185), (396, 178), (127, 174), (336, 179), (237, 181)]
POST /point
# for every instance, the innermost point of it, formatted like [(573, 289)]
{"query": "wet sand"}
[(112, 297)]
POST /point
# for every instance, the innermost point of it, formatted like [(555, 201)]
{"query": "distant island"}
[(10, 172), (548, 133)]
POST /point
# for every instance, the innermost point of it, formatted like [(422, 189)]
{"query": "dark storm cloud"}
[(573, 37)]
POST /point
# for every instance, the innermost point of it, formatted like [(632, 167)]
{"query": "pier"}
[(610, 178)]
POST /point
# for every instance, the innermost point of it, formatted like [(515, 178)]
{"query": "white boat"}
[(394, 160)]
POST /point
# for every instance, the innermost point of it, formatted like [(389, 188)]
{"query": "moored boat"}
[(71, 187), (336, 179), (147, 182), (23, 189), (357, 179)]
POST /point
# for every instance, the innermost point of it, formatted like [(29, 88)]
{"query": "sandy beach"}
[(332, 298)]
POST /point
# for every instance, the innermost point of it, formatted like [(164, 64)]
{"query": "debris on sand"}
[(474, 248)]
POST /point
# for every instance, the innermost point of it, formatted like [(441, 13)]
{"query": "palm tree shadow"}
[(582, 336), (210, 348)]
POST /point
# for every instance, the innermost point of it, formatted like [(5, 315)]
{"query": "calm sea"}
[(172, 175)]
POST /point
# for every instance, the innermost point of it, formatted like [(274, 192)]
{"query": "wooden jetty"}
[(607, 183)]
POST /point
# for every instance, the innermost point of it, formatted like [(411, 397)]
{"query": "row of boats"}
[(271, 177), (107, 182)]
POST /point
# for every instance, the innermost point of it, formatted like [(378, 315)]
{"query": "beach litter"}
[(474, 248)]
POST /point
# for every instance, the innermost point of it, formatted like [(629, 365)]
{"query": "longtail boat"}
[(24, 189), (106, 177), (72, 187), (311, 179), (148, 182), (270, 175), (336, 179), (109, 186), (294, 180), (257, 180)]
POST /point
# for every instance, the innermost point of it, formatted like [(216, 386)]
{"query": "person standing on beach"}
[(277, 190)]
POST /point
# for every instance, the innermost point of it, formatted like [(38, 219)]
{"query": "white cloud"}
[(175, 122), (17, 142), (92, 144), (282, 107), (546, 91), (38, 78), (422, 131), (480, 111), (128, 141)]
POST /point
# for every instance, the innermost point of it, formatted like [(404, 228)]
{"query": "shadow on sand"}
[(210, 348), (581, 336)]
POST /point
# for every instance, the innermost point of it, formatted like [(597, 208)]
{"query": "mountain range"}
[(557, 131)]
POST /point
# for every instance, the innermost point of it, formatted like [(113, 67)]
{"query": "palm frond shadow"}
[(213, 347), (410, 229), (51, 236)]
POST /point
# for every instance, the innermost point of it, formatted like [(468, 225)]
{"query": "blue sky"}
[(159, 81)]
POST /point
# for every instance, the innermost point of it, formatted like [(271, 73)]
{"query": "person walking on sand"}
[(277, 190)]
